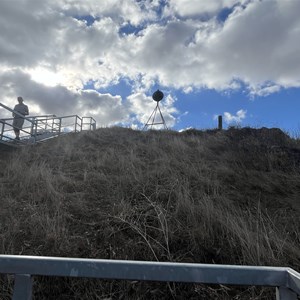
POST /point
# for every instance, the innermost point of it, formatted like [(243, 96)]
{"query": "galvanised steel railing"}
[(285, 280), (40, 128)]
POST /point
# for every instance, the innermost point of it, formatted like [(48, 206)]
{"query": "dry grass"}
[(229, 197)]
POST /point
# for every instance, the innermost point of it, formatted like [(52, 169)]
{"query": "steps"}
[(38, 129)]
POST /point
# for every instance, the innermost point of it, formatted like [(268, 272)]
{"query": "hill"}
[(221, 197)]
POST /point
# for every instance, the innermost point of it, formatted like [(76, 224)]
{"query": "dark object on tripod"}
[(152, 121), (157, 96)]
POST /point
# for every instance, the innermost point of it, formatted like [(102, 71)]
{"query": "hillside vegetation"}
[(218, 197)]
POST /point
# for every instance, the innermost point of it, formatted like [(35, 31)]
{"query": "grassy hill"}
[(219, 197)]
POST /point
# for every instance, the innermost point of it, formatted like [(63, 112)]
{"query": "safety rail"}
[(286, 280), (40, 128)]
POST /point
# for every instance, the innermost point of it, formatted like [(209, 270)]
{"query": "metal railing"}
[(286, 280), (40, 128)]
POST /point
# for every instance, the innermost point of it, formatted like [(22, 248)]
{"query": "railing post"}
[(80, 124), (220, 125), (283, 293), (75, 123), (2, 129), (22, 287), (52, 125), (59, 124), (32, 126), (36, 126), (47, 124)]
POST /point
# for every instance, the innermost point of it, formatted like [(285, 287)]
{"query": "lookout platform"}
[(37, 129)]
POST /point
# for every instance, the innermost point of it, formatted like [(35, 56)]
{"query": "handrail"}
[(71, 116), (12, 126), (42, 127), (16, 112), (34, 124), (286, 280), (39, 116), (91, 123)]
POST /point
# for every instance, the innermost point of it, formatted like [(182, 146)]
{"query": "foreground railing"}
[(38, 128), (286, 280)]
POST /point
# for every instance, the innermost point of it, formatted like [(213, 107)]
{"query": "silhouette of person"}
[(18, 121)]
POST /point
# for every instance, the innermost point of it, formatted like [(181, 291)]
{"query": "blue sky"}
[(235, 58), (201, 108)]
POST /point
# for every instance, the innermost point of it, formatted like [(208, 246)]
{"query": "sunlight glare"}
[(46, 77)]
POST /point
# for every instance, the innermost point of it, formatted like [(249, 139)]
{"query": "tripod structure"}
[(151, 121), (157, 96)]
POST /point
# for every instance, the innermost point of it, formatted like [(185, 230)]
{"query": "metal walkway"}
[(38, 129)]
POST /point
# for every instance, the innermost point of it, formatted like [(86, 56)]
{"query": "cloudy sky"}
[(105, 58)]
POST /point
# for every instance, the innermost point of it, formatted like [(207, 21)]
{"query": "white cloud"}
[(264, 91), (59, 100), (106, 109), (239, 117), (188, 8), (257, 44), (121, 11)]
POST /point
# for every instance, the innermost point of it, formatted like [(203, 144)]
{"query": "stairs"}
[(37, 129)]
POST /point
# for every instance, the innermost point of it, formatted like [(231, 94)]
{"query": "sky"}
[(105, 59)]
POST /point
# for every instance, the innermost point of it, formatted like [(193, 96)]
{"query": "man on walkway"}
[(18, 121)]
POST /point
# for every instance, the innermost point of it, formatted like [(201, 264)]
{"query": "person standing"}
[(18, 121)]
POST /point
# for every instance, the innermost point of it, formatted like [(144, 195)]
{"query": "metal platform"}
[(37, 129)]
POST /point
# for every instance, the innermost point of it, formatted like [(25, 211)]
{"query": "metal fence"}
[(285, 280), (40, 128)]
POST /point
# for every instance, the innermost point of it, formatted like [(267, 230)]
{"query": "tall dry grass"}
[(227, 197)]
